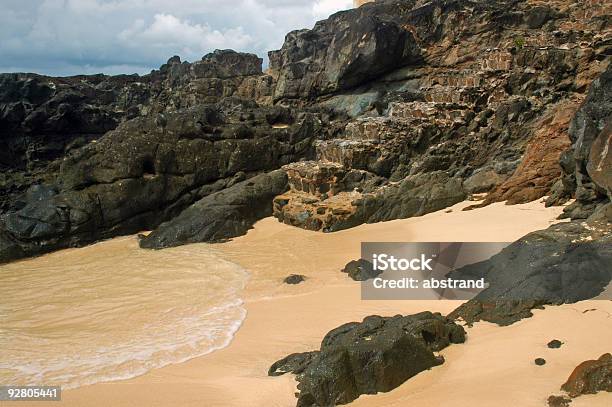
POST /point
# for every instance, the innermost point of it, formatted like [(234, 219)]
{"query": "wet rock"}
[(294, 279), (222, 215), (360, 270), (554, 344), (590, 377), (373, 356), (540, 361)]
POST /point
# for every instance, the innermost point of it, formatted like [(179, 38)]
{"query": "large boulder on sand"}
[(590, 377), (376, 355), (565, 263)]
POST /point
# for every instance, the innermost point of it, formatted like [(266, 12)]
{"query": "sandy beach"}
[(494, 367)]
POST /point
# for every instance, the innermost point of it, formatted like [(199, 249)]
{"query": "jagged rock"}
[(43, 118), (339, 53), (565, 263), (376, 355), (590, 377), (360, 270), (540, 166), (222, 215), (483, 181), (590, 134), (143, 173), (409, 99), (294, 279)]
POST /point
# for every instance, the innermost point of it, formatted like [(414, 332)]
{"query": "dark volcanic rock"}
[(149, 170), (341, 52), (554, 344), (565, 263), (590, 377), (399, 108), (222, 215), (43, 118), (590, 160), (294, 279), (540, 361), (376, 355), (416, 195), (558, 401), (360, 270)]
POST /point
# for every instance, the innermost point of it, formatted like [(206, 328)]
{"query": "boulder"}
[(565, 263), (222, 215), (360, 270), (294, 279), (376, 355), (590, 377)]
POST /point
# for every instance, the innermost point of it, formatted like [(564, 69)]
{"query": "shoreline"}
[(283, 319)]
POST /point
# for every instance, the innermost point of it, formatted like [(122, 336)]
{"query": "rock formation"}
[(391, 110), (590, 376), (376, 355), (567, 262)]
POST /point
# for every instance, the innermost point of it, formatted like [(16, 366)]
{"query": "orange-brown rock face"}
[(590, 377), (539, 168)]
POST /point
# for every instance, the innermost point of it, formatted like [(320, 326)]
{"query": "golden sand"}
[(494, 367)]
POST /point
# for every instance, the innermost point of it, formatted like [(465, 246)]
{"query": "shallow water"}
[(112, 311)]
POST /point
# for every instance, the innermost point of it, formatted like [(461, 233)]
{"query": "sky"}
[(68, 37)]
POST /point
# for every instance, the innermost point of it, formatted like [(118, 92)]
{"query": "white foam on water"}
[(113, 311)]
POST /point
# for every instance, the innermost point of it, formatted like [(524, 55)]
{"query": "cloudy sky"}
[(66, 37)]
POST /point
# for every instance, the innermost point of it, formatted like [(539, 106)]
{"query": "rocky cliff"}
[(391, 110)]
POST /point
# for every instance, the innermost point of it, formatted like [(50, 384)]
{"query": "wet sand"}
[(494, 367)]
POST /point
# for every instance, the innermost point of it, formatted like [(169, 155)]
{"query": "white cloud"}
[(61, 36), (324, 8)]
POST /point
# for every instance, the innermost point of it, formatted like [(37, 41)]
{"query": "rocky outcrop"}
[(590, 377), (587, 165), (394, 109), (43, 119), (539, 168), (147, 171), (340, 53), (376, 355), (222, 215), (565, 263), (568, 262)]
